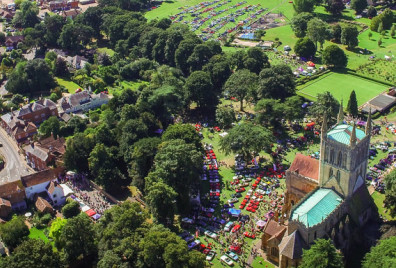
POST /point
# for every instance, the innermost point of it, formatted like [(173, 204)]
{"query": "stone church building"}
[(327, 198)]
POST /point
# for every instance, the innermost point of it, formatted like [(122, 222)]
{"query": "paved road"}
[(15, 166)]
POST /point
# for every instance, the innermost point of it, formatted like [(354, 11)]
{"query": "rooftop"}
[(292, 246), (317, 207), (342, 133), (306, 166)]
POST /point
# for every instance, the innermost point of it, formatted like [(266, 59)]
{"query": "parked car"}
[(226, 260), (232, 255), (210, 234), (233, 200), (210, 255), (228, 226), (236, 228)]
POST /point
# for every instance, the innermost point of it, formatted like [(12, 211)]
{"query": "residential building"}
[(12, 194), (82, 102), (12, 42), (56, 193), (43, 205)]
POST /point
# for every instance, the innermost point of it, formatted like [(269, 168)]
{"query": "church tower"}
[(343, 156)]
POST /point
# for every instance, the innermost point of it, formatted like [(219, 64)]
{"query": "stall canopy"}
[(90, 212), (85, 208), (260, 223), (96, 216), (234, 212)]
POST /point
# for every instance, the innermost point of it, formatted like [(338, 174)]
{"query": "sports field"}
[(341, 85)]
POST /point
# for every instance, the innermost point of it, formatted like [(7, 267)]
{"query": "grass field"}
[(38, 234), (106, 50), (379, 201), (341, 85), (68, 84)]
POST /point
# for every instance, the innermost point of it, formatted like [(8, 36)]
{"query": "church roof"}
[(292, 246), (316, 207), (342, 134), (306, 166)]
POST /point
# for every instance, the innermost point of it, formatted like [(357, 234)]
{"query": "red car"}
[(249, 235), (241, 206), (236, 228), (240, 190), (236, 249)]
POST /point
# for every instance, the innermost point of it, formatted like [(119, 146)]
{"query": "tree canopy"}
[(390, 192), (322, 254), (305, 48), (276, 82), (334, 56), (352, 107), (382, 255), (242, 84), (14, 232)]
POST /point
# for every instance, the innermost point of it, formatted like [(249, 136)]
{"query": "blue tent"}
[(234, 212)]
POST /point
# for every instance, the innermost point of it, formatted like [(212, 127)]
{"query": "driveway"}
[(15, 165)]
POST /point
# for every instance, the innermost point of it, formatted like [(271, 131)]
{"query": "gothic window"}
[(332, 156), (330, 173), (315, 235), (339, 160), (338, 175), (344, 160)]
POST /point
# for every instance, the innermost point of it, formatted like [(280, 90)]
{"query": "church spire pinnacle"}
[(324, 126), (353, 135), (368, 125), (340, 117)]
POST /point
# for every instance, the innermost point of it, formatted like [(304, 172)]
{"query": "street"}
[(15, 165)]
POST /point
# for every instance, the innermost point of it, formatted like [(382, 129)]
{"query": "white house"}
[(82, 101), (56, 193)]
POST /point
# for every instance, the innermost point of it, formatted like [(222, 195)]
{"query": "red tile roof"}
[(42, 176), (306, 166), (273, 228)]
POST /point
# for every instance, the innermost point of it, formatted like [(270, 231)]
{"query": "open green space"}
[(340, 85), (38, 234), (68, 84), (106, 50), (379, 201)]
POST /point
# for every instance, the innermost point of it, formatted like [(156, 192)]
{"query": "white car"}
[(210, 255), (249, 193), (210, 234), (228, 226), (227, 260)]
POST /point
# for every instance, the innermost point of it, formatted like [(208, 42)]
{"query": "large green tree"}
[(334, 56), (277, 82), (349, 36), (77, 152), (255, 60), (318, 31), (352, 107), (225, 116), (358, 5), (268, 111), (161, 199), (50, 126), (299, 23), (305, 48), (335, 7), (200, 90), (14, 232), (184, 132), (75, 36), (325, 103), (242, 84), (26, 16), (390, 192), (71, 209), (77, 238), (382, 255), (245, 139), (322, 254), (56, 230), (303, 6), (33, 253)]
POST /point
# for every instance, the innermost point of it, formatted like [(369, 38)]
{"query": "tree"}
[(14, 232), (303, 6), (322, 254), (31, 77), (245, 139), (352, 107), (184, 132), (370, 34), (277, 82), (380, 42), (75, 36), (71, 209), (110, 259), (61, 68), (334, 57), (390, 192), (382, 255), (242, 84), (268, 111), (103, 166), (53, 28), (318, 31), (225, 116), (200, 89), (358, 5), (56, 229), (325, 103), (393, 31), (336, 32), (386, 18), (380, 27), (77, 152), (292, 108), (77, 238), (305, 48), (335, 7), (161, 199), (299, 23), (349, 36), (255, 60), (27, 16), (34, 253), (371, 12), (50, 126)]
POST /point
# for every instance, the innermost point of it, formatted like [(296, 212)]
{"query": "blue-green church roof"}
[(342, 133), (316, 207)]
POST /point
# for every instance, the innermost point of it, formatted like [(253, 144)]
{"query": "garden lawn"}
[(379, 202), (68, 84), (106, 50), (341, 85), (38, 234)]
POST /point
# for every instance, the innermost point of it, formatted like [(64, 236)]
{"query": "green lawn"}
[(68, 84), (38, 234), (379, 201), (106, 50), (340, 86), (256, 263)]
